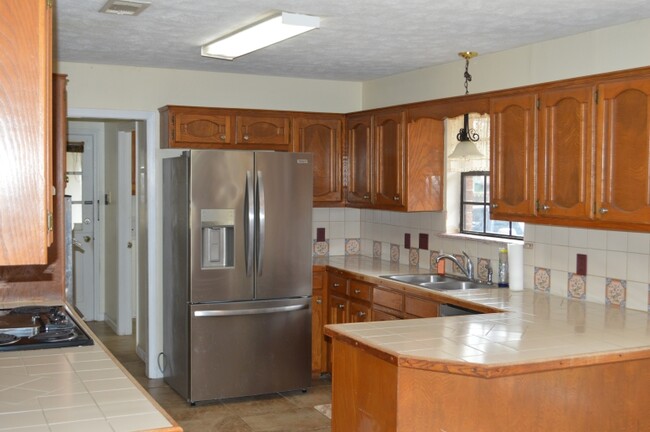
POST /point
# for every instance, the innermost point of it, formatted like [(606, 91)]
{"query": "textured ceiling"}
[(358, 40)]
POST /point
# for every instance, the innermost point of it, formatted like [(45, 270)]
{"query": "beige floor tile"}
[(67, 415), (82, 426), (298, 420), (258, 405), (13, 421), (138, 422), (225, 424), (66, 401)]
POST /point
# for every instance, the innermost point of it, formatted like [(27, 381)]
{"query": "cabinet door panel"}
[(263, 130), (512, 130), (202, 128), (359, 154), (623, 184), (25, 131), (565, 153), (338, 309), (425, 160), (322, 138), (389, 154)]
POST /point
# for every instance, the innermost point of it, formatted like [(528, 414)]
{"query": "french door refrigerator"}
[(237, 273)]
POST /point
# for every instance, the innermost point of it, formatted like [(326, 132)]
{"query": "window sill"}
[(482, 239)]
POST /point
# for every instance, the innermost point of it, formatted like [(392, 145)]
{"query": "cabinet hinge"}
[(538, 104), (50, 221), (596, 96), (173, 122), (49, 3)]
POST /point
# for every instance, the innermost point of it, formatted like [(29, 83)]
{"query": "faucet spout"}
[(468, 270)]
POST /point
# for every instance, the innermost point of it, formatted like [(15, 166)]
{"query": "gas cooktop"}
[(39, 327)]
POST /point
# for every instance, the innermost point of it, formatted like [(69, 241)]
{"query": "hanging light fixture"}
[(466, 149)]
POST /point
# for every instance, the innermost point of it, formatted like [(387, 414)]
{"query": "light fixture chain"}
[(468, 77)]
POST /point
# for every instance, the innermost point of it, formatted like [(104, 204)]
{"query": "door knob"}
[(129, 245), (87, 239)]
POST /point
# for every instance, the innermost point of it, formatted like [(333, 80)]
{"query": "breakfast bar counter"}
[(539, 362)]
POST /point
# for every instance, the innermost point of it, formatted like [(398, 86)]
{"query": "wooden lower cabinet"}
[(372, 393), (318, 319)]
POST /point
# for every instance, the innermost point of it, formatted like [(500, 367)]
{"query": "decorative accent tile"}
[(615, 290), (394, 253), (414, 257), (542, 279), (482, 267), (321, 248), (352, 246), (577, 286), (376, 249), (434, 267), (461, 259)]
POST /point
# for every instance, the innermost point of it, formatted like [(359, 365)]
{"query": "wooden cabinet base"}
[(373, 394)]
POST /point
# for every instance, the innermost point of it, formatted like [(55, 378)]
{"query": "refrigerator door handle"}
[(249, 222), (257, 311), (262, 222)]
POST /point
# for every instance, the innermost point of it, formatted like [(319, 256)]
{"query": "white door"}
[(80, 186)]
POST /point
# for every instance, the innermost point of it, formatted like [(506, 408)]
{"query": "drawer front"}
[(420, 307), (380, 315), (388, 298), (359, 312), (360, 290), (337, 284)]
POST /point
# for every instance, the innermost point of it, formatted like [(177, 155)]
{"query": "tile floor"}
[(279, 412)]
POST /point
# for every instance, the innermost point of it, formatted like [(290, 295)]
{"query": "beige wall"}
[(604, 50), (109, 87)]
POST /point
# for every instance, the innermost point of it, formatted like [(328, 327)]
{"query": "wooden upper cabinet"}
[(389, 157), (195, 127), (425, 165), (623, 152), (566, 144), (359, 153), (264, 130), (321, 136), (26, 203), (512, 165)]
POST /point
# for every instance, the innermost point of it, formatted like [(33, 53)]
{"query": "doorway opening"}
[(107, 176)]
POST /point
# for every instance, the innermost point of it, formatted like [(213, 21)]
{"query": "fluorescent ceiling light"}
[(260, 35)]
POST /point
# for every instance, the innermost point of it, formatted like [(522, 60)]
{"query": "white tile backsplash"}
[(610, 254)]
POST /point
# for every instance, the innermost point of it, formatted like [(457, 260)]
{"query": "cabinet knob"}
[(223, 137), (396, 198), (361, 314), (319, 301), (494, 205), (357, 291), (602, 210), (341, 306), (366, 196), (546, 207), (246, 137), (336, 284)]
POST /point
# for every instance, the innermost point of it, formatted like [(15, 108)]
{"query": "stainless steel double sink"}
[(437, 282)]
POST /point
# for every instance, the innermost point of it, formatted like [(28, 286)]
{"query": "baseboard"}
[(111, 323)]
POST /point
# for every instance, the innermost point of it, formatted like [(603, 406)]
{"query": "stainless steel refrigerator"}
[(237, 273)]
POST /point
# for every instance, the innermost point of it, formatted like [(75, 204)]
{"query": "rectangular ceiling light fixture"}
[(259, 35)]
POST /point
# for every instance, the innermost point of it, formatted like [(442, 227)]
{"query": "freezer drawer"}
[(247, 348)]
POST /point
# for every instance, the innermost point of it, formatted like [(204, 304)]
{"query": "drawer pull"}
[(603, 210), (396, 198), (366, 196), (361, 314), (319, 301), (357, 291), (341, 306), (223, 137), (336, 284)]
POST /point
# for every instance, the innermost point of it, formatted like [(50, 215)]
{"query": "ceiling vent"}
[(124, 7)]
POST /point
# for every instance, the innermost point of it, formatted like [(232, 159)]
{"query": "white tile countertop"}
[(72, 389), (539, 330)]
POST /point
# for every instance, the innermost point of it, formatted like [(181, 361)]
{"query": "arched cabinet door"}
[(359, 154), (623, 152), (512, 164), (565, 148), (321, 136)]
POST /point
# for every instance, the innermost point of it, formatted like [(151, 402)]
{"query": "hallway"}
[(280, 412)]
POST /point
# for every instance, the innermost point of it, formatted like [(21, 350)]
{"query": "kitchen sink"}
[(437, 282), (416, 279)]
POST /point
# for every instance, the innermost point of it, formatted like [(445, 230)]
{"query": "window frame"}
[(485, 204)]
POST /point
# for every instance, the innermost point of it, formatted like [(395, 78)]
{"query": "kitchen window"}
[(475, 209)]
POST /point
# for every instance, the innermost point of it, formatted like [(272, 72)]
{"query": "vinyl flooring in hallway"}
[(279, 412)]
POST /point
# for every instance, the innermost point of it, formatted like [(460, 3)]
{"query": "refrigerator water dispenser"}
[(218, 234)]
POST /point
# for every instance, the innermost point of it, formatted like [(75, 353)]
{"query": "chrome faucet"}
[(467, 271)]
